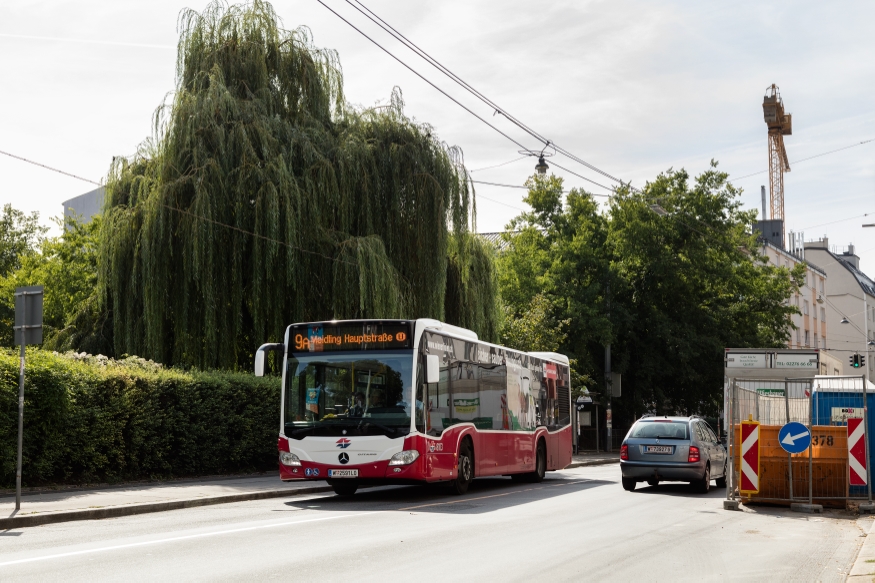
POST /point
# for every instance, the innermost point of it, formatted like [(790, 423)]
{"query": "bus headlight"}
[(404, 458), (289, 459)]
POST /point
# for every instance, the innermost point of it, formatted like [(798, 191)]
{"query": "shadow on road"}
[(484, 495), (679, 489)]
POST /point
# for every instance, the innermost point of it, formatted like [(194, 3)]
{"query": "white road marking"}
[(179, 538)]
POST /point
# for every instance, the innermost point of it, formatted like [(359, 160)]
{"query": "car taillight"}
[(694, 454), (624, 452)]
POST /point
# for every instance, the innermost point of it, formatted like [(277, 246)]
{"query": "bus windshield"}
[(351, 393)]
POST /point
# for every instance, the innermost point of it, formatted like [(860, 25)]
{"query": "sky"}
[(632, 87)]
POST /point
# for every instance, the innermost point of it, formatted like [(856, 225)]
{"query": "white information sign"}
[(842, 414), (741, 360), (805, 361)]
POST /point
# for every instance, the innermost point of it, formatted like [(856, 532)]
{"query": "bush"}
[(93, 419)]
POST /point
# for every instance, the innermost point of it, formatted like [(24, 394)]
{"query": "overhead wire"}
[(500, 165), (808, 158), (418, 74), (373, 17), (50, 168)]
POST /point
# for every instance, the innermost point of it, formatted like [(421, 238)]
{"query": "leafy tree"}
[(19, 236), (668, 292), (264, 198), (690, 284), (67, 266), (556, 264)]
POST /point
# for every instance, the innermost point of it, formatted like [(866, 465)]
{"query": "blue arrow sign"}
[(794, 437)]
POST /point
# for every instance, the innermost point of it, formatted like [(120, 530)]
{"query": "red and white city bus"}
[(416, 401)]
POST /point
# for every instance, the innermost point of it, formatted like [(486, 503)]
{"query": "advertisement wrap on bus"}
[(416, 401)]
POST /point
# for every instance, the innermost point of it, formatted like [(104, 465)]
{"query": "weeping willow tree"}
[(264, 198)]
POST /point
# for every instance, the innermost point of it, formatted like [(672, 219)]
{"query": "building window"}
[(805, 307), (815, 341), (814, 313), (798, 333), (821, 285), (823, 314), (807, 338)]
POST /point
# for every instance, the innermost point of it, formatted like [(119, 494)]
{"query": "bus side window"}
[(421, 397)]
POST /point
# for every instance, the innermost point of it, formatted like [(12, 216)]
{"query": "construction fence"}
[(824, 473)]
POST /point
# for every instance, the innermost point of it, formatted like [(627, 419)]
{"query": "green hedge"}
[(93, 419)]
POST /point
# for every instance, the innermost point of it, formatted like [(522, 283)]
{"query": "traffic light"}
[(862, 360), (857, 361)]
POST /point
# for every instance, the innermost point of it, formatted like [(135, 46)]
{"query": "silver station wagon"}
[(673, 449)]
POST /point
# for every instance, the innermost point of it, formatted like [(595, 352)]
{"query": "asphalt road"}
[(576, 525)]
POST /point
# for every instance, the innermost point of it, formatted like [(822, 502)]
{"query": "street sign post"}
[(856, 452), (750, 458), (794, 437), (28, 329)]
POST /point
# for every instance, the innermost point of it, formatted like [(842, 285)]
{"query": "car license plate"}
[(657, 449), (343, 473)]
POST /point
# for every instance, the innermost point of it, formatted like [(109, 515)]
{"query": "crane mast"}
[(779, 124)]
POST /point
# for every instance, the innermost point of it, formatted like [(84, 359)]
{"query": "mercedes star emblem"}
[(343, 458)]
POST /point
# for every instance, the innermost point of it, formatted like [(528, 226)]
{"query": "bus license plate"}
[(657, 449), (343, 473)]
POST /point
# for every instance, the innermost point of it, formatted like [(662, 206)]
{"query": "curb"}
[(573, 465), (863, 568), (26, 520)]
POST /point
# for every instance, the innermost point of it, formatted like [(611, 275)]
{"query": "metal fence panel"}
[(823, 405)]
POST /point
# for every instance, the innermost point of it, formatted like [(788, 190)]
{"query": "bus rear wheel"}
[(540, 464), (465, 471), (344, 488)]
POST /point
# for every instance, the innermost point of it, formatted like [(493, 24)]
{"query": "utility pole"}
[(28, 329), (609, 391)]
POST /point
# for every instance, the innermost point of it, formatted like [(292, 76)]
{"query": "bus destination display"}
[(330, 337)]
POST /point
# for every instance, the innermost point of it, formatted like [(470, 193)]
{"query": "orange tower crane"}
[(780, 124)]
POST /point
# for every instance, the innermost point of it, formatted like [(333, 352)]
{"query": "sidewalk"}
[(84, 504), (594, 459), (45, 507), (864, 566)]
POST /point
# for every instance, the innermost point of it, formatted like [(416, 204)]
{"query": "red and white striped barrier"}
[(856, 452), (750, 458)]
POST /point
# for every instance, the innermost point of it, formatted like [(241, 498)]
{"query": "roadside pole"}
[(28, 329), (610, 393)]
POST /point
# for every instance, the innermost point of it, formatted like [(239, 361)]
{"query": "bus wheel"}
[(466, 470), (540, 464), (345, 488)]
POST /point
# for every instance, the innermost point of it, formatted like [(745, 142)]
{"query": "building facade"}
[(85, 206), (849, 302), (811, 322)]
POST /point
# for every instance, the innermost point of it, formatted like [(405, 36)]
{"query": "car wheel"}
[(702, 486), (721, 481), (466, 470), (629, 484), (345, 488)]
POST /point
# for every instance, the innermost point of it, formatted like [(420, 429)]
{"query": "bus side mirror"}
[(432, 368), (261, 356)]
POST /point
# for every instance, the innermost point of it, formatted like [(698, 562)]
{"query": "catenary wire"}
[(809, 158), (232, 227), (415, 72), (50, 168), (373, 17), (500, 165)]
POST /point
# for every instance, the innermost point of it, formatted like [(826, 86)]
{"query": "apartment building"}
[(849, 302), (811, 322)]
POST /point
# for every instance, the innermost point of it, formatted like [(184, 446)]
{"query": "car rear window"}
[(661, 428)]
